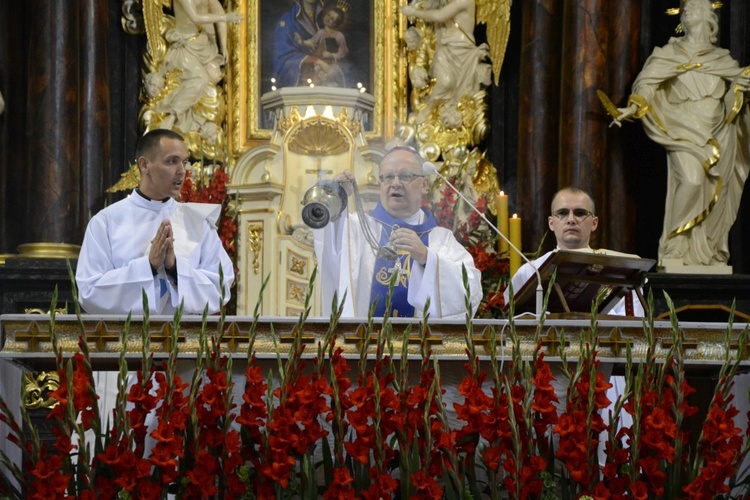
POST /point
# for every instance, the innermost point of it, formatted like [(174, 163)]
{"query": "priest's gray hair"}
[(411, 150)]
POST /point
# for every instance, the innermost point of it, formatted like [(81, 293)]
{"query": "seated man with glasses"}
[(429, 258), (573, 220)]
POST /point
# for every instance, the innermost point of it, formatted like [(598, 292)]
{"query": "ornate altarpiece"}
[(277, 142), (315, 132)]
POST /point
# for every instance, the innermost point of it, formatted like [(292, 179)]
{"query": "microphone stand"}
[(430, 168)]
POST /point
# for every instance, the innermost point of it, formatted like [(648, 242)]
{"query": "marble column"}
[(52, 181), (538, 121), (583, 122), (619, 230), (95, 160)]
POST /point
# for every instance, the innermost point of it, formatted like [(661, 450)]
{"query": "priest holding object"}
[(429, 258)]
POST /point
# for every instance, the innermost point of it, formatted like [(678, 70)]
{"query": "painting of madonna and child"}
[(315, 42)]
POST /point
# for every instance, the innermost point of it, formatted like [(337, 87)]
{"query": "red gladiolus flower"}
[(383, 485), (203, 475), (426, 487), (340, 487), (719, 448), (639, 491)]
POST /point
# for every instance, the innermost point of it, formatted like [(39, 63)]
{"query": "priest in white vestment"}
[(151, 242), (430, 259), (573, 220)]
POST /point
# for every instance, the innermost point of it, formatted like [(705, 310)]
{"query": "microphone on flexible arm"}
[(430, 168)]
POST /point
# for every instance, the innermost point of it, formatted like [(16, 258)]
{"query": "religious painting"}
[(316, 42), (351, 44)]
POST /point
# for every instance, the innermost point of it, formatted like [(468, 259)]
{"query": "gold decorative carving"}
[(616, 343), (351, 125), (129, 180), (318, 136), (33, 338), (255, 242), (297, 264), (286, 123), (36, 388), (485, 176), (702, 343), (296, 292), (37, 310)]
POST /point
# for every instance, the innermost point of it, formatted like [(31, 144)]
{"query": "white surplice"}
[(347, 264), (113, 267)]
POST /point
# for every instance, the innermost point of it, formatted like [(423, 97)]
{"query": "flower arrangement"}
[(319, 424), (204, 188), (208, 184), (472, 232)]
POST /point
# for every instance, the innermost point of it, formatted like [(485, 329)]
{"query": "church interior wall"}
[(646, 179)]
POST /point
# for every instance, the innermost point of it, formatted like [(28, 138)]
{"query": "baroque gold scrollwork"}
[(297, 265), (37, 310), (318, 136), (296, 293), (285, 123), (36, 388), (255, 242)]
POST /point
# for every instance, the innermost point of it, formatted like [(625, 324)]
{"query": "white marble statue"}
[(182, 90), (691, 97), (458, 66)]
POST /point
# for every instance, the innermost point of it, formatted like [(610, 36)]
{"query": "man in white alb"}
[(429, 257), (573, 219), (151, 242)]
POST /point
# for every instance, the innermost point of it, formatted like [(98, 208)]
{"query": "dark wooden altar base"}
[(29, 283), (700, 297)]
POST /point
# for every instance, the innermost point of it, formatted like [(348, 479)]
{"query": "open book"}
[(580, 277)]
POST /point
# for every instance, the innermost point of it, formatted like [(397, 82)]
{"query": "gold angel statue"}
[(449, 73), (456, 48), (186, 55)]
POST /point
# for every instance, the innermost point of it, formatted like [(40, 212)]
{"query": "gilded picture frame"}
[(248, 68)]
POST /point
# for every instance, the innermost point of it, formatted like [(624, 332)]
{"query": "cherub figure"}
[(182, 86), (329, 45)]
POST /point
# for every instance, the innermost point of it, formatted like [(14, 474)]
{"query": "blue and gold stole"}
[(384, 268)]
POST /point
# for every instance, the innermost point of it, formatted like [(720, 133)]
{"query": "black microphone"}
[(430, 168)]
